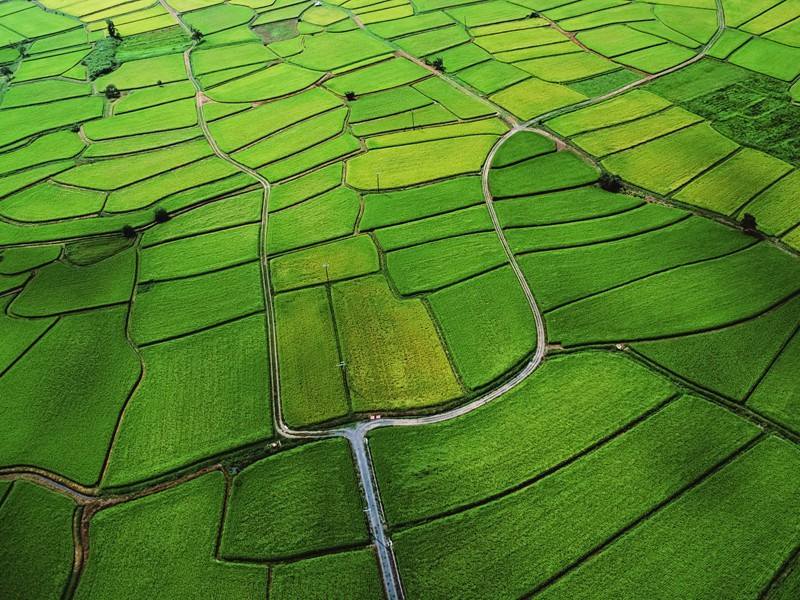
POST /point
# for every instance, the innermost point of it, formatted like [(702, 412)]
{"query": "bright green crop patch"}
[(171, 420), (305, 499), (429, 267), (564, 275), (711, 359), (469, 220), (45, 202), (166, 540), (340, 576), (553, 171), (48, 90), (508, 547), (485, 344), (381, 76), (627, 107), (36, 553), (18, 123), (342, 259), (61, 287), (61, 401), (534, 97), (666, 163), (402, 166), (769, 58), (272, 82), (312, 376), (392, 350), (173, 308), (391, 208), (690, 298), (568, 405), (145, 72), (323, 218), (776, 210), (706, 535), (329, 51), (200, 254)]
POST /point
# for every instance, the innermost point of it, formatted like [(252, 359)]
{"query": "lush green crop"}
[(511, 545), (306, 500), (83, 366), (166, 541), (776, 394), (469, 220), (553, 171), (706, 537), (36, 553)]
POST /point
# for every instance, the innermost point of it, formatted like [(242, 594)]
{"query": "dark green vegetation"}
[(255, 254)]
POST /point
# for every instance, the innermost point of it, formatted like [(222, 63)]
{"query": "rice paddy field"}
[(400, 299)]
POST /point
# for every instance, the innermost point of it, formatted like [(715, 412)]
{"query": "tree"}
[(111, 92), (112, 30), (610, 183), (129, 232), (534, 15), (749, 222), (197, 36), (350, 96), (6, 71), (436, 63), (162, 216)]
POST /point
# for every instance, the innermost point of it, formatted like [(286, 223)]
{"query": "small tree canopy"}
[(162, 216), (111, 92), (610, 183), (749, 221), (350, 95), (128, 231)]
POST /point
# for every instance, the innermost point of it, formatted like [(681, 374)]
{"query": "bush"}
[(197, 36), (102, 59), (111, 92), (162, 216), (129, 232), (112, 30), (350, 95), (749, 222), (436, 63), (6, 71), (610, 183)]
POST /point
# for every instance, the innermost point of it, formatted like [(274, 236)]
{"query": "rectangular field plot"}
[(313, 387), (552, 171), (508, 547), (395, 359), (777, 393), (706, 538), (296, 502), (201, 394)]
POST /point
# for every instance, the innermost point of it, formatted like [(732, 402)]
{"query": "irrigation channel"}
[(356, 434)]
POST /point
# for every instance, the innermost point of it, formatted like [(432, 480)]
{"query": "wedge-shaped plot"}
[(299, 501), (201, 395), (37, 552), (305, 187), (200, 254), (696, 297), (728, 186), (272, 82), (47, 201), (145, 72), (437, 264), (469, 220), (116, 173), (171, 309), (650, 241), (656, 59), (175, 115), (706, 536), (614, 40), (713, 359), (61, 287), (394, 357), (777, 210), (381, 76), (624, 108), (329, 51), (162, 95), (568, 67), (569, 405), (227, 57), (402, 166), (553, 171), (534, 97), (174, 534), (61, 401), (454, 100), (19, 123), (512, 545), (491, 76), (665, 164), (777, 393), (52, 147)]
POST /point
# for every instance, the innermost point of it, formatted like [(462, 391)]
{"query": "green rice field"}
[(400, 299)]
